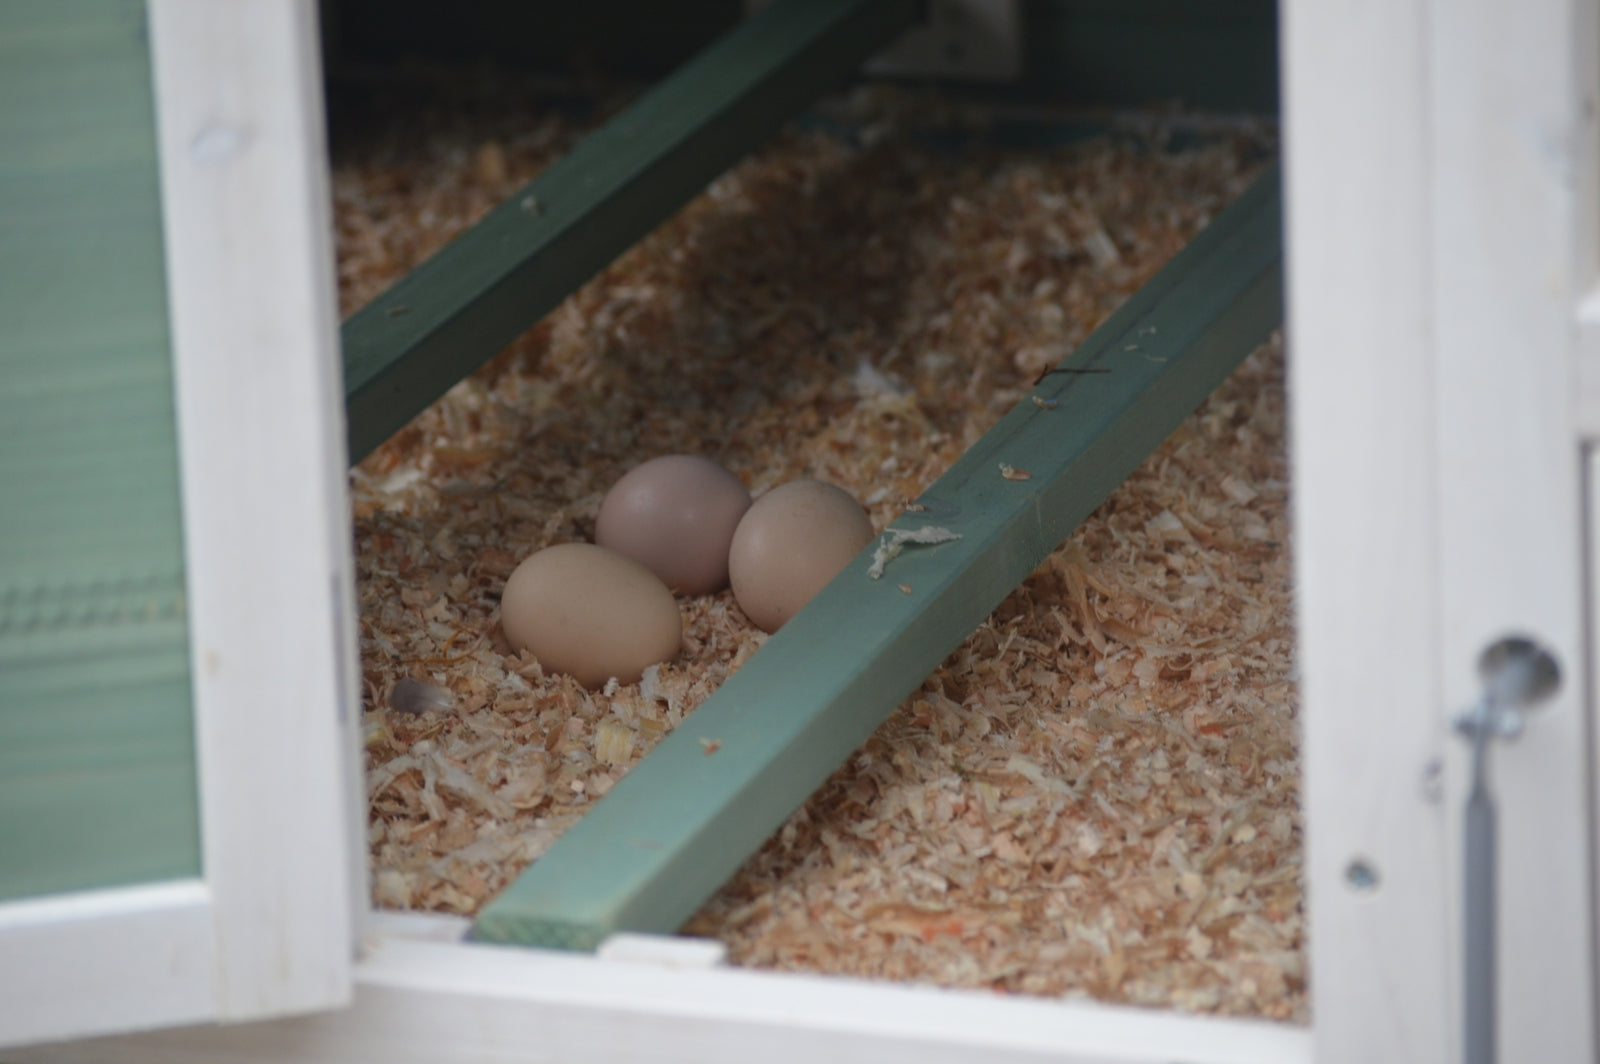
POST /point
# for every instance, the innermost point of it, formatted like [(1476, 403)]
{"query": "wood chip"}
[(1097, 793)]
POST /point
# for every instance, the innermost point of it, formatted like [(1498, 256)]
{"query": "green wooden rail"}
[(450, 315), (650, 853)]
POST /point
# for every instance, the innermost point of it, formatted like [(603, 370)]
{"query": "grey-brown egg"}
[(675, 515), (793, 540), (591, 613)]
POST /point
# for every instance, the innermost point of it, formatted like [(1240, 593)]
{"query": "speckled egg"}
[(675, 515), (791, 542), (591, 613)]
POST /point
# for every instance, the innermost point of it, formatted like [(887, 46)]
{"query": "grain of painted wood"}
[(1509, 544), (452, 1003), (1358, 292), (650, 853), (450, 315), (266, 514)]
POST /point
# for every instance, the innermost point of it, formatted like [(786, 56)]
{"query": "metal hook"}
[(1518, 672)]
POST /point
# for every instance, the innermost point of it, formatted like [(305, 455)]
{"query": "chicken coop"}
[(1216, 378)]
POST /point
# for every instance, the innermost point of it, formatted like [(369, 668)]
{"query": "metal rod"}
[(455, 311), (1478, 1000), (1518, 674)]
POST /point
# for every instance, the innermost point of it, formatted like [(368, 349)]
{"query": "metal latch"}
[(1518, 674)]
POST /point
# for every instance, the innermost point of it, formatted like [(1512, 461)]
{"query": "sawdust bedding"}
[(1097, 793)]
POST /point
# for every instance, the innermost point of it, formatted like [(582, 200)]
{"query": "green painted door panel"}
[(97, 764)]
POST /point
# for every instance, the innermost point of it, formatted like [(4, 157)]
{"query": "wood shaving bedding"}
[(1096, 794)]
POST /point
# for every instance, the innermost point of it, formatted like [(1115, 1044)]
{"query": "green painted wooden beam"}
[(650, 853), (450, 315)]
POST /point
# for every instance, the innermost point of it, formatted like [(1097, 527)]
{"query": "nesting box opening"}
[(1097, 792)]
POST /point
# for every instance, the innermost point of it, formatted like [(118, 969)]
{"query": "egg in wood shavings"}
[(590, 613), (791, 542), (675, 515)]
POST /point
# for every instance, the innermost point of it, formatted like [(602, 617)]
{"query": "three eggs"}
[(679, 523)]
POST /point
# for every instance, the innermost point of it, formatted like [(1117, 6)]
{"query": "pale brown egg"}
[(675, 515), (793, 540), (591, 613)]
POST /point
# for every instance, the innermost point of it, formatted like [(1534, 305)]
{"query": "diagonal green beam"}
[(451, 314), (677, 826)]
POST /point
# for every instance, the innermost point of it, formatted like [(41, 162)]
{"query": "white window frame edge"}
[(442, 1002), (1440, 168), (245, 189), (268, 927), (1585, 167), (1506, 143), (1353, 94), (105, 960), (1586, 174)]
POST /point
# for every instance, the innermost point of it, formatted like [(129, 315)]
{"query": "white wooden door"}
[(1441, 230), (266, 928)]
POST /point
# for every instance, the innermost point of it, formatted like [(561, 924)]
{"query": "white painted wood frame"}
[(1585, 163), (1506, 129), (248, 228), (422, 1002), (1439, 207), (267, 930), (1365, 526)]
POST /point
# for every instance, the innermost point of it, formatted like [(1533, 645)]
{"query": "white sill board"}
[(431, 1002)]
